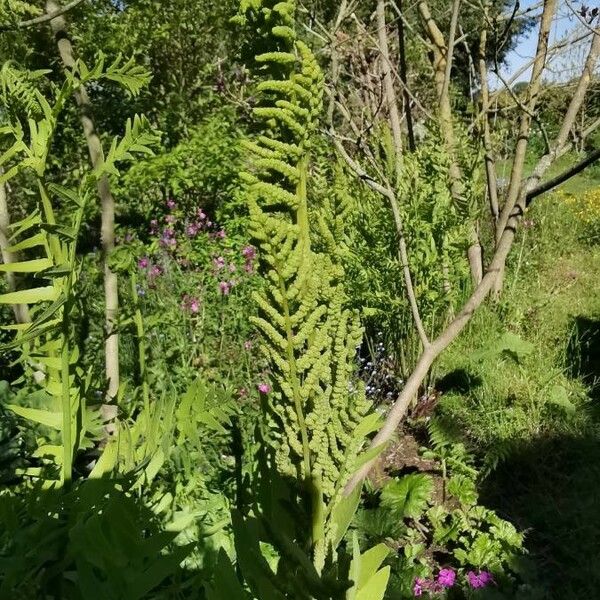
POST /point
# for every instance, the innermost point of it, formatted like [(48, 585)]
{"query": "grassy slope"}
[(529, 406)]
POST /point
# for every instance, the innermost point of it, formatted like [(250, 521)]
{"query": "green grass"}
[(521, 385)]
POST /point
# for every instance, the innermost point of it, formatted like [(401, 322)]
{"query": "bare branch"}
[(387, 192), (565, 176), (390, 94), (490, 163), (43, 18)]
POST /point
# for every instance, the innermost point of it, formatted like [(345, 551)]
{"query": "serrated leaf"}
[(65, 193), (409, 496)]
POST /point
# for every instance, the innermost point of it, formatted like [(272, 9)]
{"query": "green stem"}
[(138, 319), (67, 439)]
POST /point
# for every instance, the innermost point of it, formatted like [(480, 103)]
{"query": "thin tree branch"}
[(565, 176), (390, 94), (404, 81), (107, 204), (43, 18), (450, 49), (490, 162), (387, 192)]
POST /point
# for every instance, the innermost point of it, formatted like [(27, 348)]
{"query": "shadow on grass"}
[(550, 487), (583, 354)]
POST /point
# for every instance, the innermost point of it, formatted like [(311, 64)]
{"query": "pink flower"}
[(201, 214), (419, 586), (221, 234), (264, 388), (171, 219), (232, 268), (224, 288), (242, 392), (219, 262), (156, 271), (171, 204), (144, 262), (194, 305), (446, 578), (249, 267), (249, 252), (479, 580), (247, 345), (191, 230)]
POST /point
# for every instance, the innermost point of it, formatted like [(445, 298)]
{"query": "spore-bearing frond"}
[(309, 337)]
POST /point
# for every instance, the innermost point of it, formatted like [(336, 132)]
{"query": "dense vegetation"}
[(295, 304)]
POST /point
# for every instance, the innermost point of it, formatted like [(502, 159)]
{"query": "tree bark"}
[(442, 65), (533, 89), (490, 162), (388, 82), (404, 78), (107, 202)]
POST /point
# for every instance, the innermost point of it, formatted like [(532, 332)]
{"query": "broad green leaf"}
[(375, 588), (56, 452), (28, 266), (343, 513), (32, 296), (44, 417), (39, 239), (370, 561), (559, 396), (107, 461), (408, 496), (369, 454), (226, 585)]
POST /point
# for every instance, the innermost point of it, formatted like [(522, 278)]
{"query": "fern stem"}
[(291, 358), (138, 319), (67, 441)]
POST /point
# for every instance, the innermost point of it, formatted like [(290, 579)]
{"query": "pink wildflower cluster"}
[(220, 266), (479, 580), (172, 232), (190, 304), (152, 271), (446, 578), (191, 227)]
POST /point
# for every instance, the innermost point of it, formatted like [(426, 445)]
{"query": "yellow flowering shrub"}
[(586, 208)]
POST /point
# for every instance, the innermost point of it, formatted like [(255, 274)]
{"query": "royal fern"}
[(317, 417)]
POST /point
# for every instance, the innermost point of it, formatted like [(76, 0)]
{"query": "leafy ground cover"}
[(527, 402)]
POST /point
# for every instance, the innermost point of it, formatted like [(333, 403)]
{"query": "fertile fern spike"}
[(308, 336)]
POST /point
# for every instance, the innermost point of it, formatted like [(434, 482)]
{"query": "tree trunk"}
[(442, 64), (107, 202), (21, 310)]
